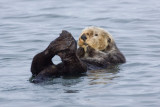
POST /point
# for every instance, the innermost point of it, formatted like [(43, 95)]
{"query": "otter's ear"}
[(109, 40)]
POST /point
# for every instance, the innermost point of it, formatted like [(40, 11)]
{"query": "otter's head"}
[(95, 37)]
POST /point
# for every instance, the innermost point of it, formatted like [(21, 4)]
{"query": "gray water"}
[(28, 26)]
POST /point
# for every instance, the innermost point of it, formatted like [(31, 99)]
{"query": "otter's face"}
[(94, 37)]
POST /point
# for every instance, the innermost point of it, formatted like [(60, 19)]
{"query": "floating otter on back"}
[(96, 47)]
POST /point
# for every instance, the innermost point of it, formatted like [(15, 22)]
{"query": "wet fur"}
[(101, 58), (64, 46), (74, 62)]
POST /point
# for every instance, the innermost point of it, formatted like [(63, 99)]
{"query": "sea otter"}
[(96, 48)]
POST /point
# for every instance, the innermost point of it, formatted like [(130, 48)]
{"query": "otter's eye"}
[(87, 33), (96, 34)]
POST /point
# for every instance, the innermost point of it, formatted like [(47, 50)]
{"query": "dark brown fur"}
[(65, 46)]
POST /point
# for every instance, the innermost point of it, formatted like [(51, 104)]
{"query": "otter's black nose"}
[(83, 37)]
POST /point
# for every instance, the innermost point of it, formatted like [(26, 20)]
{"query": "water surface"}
[(28, 26)]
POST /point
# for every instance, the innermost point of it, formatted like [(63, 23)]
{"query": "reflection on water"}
[(96, 76), (103, 76)]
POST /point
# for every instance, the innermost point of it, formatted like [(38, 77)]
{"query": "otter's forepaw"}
[(90, 49), (80, 52)]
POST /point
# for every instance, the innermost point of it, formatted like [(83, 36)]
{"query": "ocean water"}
[(28, 26)]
